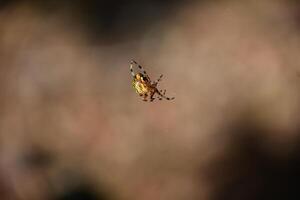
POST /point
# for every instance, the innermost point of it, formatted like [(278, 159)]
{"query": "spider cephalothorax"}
[(144, 86)]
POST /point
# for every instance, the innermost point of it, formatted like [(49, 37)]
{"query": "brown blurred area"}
[(72, 127)]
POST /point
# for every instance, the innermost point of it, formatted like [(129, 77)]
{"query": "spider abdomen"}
[(139, 87)]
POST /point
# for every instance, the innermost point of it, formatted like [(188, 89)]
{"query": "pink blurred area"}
[(70, 122)]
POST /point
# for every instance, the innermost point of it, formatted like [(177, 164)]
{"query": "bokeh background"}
[(72, 127)]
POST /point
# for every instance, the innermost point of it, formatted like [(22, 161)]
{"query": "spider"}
[(144, 86)]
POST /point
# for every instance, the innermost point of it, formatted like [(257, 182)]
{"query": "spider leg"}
[(143, 71), (163, 95), (159, 78), (145, 97), (157, 81), (131, 68), (163, 92), (140, 68), (151, 96)]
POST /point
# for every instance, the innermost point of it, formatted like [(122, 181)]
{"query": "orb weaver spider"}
[(144, 86)]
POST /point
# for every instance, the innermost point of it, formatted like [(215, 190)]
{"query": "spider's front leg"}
[(140, 68), (157, 81), (159, 78)]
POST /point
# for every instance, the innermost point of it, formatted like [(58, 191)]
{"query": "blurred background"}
[(72, 127)]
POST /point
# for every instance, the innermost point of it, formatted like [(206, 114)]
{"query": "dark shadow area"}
[(109, 20), (36, 158), (81, 192), (248, 171), (79, 187), (38, 161)]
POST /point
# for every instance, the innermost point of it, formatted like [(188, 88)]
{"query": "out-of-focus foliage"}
[(71, 127)]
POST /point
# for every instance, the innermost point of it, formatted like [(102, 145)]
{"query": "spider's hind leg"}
[(163, 92), (144, 97), (151, 96)]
